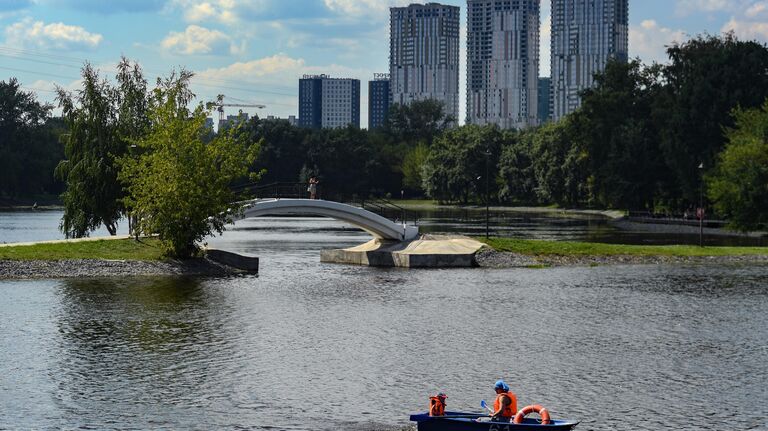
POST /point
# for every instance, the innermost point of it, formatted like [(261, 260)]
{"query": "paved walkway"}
[(62, 241)]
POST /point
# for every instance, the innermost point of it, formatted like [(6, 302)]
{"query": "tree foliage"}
[(706, 79), (615, 127), (455, 169), (28, 143), (517, 181), (93, 195), (413, 167), (419, 121), (559, 165), (178, 185), (739, 184)]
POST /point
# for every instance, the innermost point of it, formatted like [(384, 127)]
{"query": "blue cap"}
[(501, 385)]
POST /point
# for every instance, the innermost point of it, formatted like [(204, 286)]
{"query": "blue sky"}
[(255, 50)]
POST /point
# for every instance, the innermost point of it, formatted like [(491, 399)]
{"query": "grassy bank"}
[(119, 249), (558, 248)]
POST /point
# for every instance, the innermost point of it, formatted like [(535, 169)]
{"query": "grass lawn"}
[(415, 202), (118, 249), (536, 247)]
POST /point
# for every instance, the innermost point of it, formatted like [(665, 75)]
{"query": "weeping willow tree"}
[(103, 121)]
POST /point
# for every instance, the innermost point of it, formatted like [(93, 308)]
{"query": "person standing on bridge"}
[(312, 189)]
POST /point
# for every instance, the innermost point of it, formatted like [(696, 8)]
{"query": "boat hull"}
[(468, 422)]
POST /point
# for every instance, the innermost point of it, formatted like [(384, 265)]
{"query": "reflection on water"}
[(43, 225), (312, 346)]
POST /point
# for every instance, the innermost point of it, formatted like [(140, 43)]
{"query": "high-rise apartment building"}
[(378, 100), (544, 99), (586, 34), (424, 54), (503, 62), (327, 103)]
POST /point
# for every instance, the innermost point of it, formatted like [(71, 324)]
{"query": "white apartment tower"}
[(586, 34), (424, 54), (503, 62), (328, 103)]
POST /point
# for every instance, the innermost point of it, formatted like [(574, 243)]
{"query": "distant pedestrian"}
[(312, 189)]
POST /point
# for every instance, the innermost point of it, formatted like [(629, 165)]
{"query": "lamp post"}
[(132, 220), (487, 154), (700, 212)]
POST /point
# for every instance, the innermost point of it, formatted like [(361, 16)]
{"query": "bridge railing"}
[(286, 190)]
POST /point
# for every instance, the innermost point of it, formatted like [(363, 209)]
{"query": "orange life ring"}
[(535, 408)]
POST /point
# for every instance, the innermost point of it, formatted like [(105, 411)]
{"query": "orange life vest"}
[(511, 408), (436, 406)]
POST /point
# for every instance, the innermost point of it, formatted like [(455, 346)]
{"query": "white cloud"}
[(751, 22), (749, 30), (649, 41), (228, 12), (545, 46), (37, 34), (688, 7), (277, 67), (199, 40), (757, 9), (278, 73), (365, 7)]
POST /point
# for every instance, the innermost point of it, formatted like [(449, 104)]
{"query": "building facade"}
[(378, 100), (544, 99), (586, 34), (424, 55), (292, 120), (233, 121), (326, 103), (503, 62)]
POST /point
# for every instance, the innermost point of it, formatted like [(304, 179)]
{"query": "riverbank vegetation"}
[(654, 138), (569, 248), (147, 249)]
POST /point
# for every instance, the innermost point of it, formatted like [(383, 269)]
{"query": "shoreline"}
[(97, 268), (493, 259)]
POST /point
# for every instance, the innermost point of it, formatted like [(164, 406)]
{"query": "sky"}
[(254, 51)]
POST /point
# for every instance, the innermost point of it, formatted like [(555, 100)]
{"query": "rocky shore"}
[(79, 268), (488, 258)]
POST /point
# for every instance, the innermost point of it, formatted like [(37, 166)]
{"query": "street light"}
[(700, 212), (487, 154)]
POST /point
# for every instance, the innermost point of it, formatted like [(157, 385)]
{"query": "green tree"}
[(103, 121), (419, 121), (616, 129), (456, 166), (708, 77), (282, 151), (27, 143), (177, 184), (516, 175), (559, 164), (738, 185), (341, 158), (413, 167), (93, 195)]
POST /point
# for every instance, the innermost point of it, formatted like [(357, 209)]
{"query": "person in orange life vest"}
[(505, 406), (437, 405)]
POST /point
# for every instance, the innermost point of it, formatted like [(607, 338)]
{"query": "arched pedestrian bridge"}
[(372, 223)]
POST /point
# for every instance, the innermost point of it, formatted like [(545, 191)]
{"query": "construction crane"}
[(219, 104)]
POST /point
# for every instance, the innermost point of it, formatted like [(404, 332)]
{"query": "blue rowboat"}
[(457, 421)]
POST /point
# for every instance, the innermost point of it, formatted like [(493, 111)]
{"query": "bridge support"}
[(427, 252)]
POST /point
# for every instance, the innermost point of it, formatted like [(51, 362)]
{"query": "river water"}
[(312, 346)]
